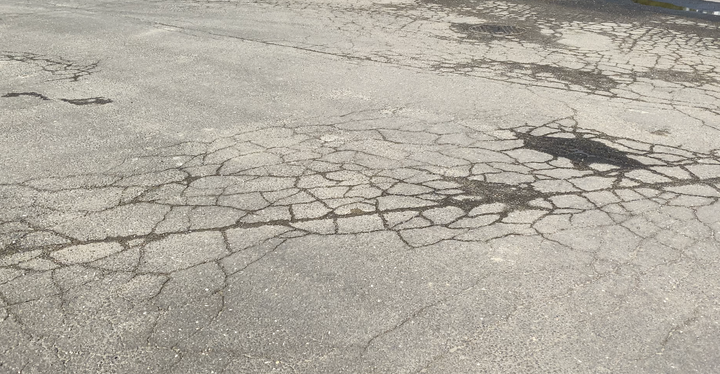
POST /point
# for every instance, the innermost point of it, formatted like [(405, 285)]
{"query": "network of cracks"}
[(57, 68), (158, 246), (426, 186), (158, 243)]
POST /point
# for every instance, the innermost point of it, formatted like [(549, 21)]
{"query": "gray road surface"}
[(308, 186)]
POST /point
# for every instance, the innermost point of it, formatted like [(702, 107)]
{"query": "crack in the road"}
[(168, 237)]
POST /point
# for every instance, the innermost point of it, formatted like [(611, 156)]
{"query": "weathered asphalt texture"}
[(358, 187)]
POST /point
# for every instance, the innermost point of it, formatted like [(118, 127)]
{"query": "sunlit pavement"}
[(358, 187)]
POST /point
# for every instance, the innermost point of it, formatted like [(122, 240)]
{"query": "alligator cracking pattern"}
[(137, 234), (168, 254), (666, 60), (326, 182)]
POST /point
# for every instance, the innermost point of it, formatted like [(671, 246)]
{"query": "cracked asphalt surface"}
[(308, 186)]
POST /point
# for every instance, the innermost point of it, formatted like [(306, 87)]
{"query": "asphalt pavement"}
[(309, 186)]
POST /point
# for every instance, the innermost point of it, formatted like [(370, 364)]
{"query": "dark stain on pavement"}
[(88, 101), (515, 197), (590, 80), (472, 30), (580, 151), (31, 94), (678, 76)]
